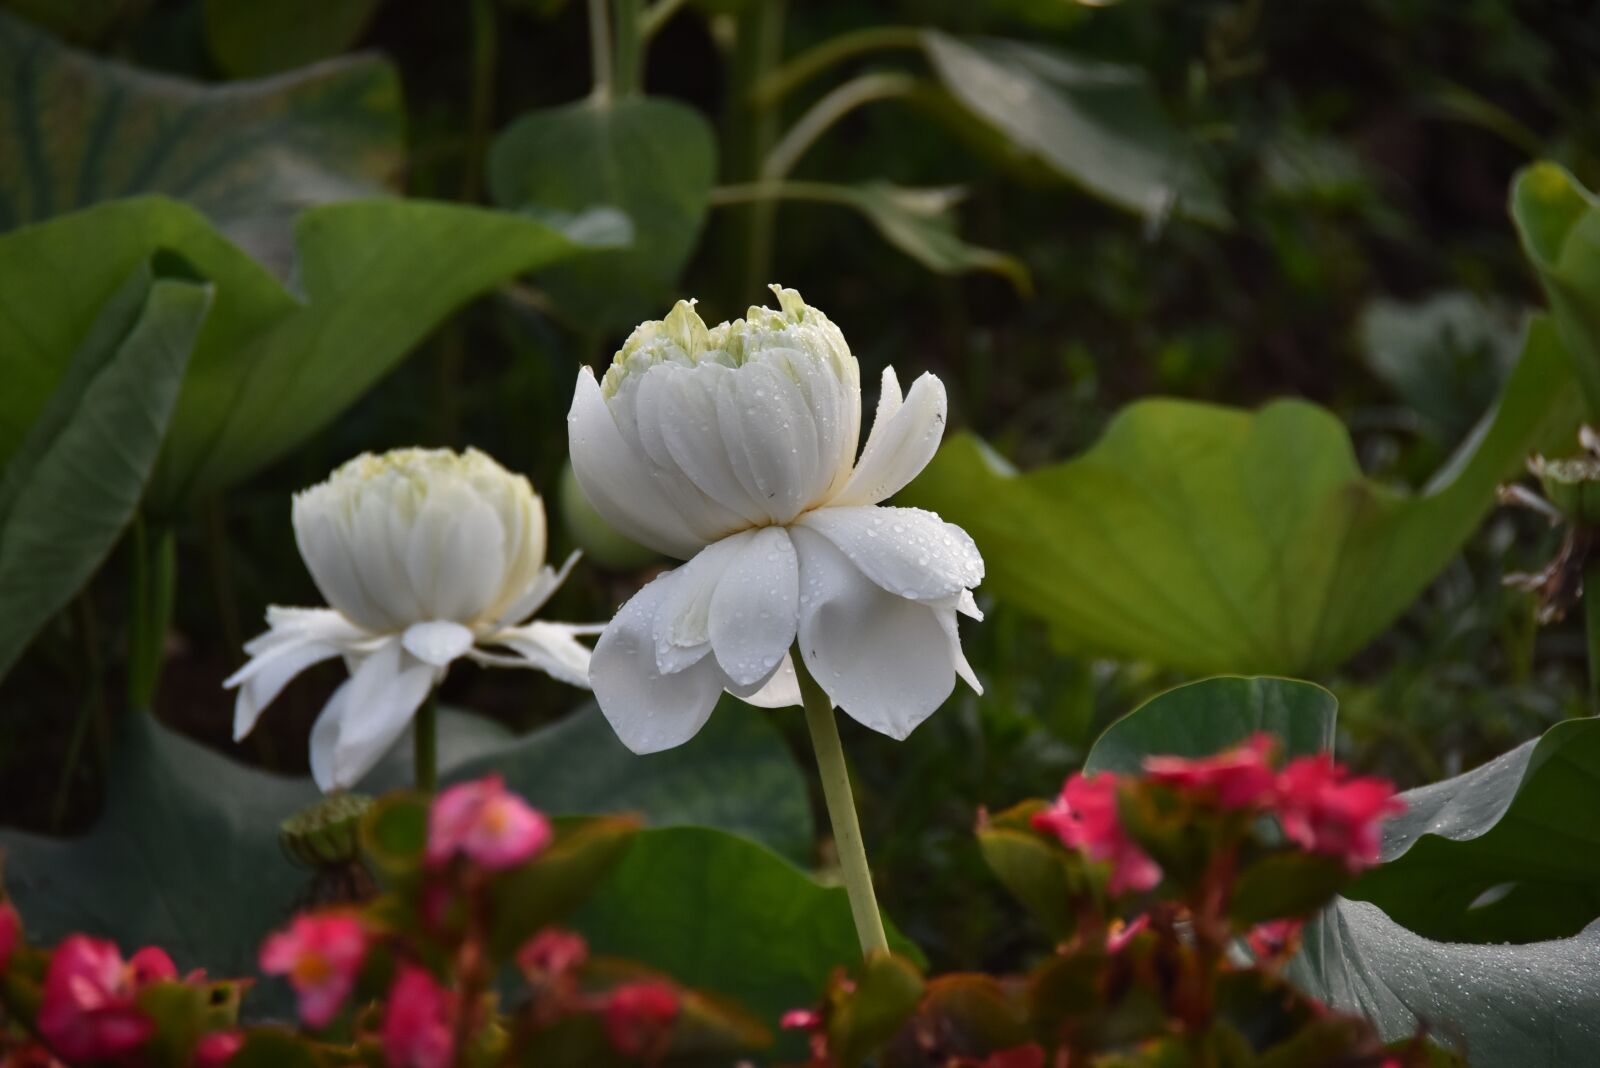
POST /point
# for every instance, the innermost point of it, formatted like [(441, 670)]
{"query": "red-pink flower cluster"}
[(552, 953), (486, 824), (217, 1049), (89, 1010), (1275, 939), (417, 1027), (1324, 809), (639, 1018), (1241, 777), (10, 933), (1320, 805), (1084, 818), (321, 954)]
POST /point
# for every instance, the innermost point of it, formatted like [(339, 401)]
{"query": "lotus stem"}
[(1591, 623), (847, 839), (821, 117), (628, 47), (425, 744), (795, 73), (153, 576), (600, 49)]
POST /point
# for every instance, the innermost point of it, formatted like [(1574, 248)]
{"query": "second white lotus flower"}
[(425, 556), (734, 448)]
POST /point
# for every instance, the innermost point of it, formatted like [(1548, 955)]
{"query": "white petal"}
[(679, 425), (384, 694), (835, 406), (754, 611), (901, 446), (550, 647), (907, 551), (327, 557), (298, 638), (325, 737), (455, 554), (437, 642), (267, 675), (617, 481), (544, 584), (782, 690), (648, 710), (890, 398), (319, 624), (683, 620), (771, 439), (380, 561), (947, 620), (883, 659)]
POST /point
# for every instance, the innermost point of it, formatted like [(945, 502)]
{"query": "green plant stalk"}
[(600, 50), (825, 113), (807, 65), (847, 839), (480, 108), (88, 709), (425, 744), (660, 13), (150, 608), (748, 135), (627, 47), (1591, 623)]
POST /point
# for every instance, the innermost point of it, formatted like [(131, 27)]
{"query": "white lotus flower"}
[(735, 448), (426, 556)]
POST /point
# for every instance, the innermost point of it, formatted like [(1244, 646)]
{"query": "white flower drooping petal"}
[(425, 556), (734, 448)]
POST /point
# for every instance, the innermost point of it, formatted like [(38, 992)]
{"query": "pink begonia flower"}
[(1241, 777), (801, 1020), (1274, 939), (552, 952), (88, 1012), (30, 1055), (321, 953), (639, 1017), (417, 1025), (10, 933), (1323, 809), (1122, 933), (1084, 817), (216, 1049), (487, 824)]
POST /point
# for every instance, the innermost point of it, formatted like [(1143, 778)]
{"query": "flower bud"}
[(1572, 485), (325, 835), (419, 535)]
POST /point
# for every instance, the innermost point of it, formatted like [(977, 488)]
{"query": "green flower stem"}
[(752, 192), (659, 14), (821, 116), (600, 48), (150, 608), (628, 65), (748, 135), (841, 811), (425, 741), (807, 65), (1591, 621), (480, 105)]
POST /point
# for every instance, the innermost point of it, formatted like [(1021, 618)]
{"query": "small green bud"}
[(1572, 485), (325, 835)]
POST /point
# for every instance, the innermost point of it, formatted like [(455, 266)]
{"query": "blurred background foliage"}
[(1057, 206)]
